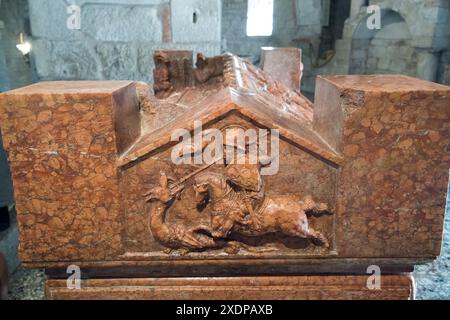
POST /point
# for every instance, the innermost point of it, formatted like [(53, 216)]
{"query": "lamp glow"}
[(23, 46)]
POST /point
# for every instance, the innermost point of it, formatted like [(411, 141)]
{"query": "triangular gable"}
[(217, 107), (253, 94)]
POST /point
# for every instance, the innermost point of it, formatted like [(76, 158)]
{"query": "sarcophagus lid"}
[(222, 168)]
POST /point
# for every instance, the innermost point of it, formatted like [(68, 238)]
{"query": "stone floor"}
[(433, 280), (27, 285)]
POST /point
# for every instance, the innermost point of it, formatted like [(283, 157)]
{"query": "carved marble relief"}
[(227, 206), (95, 182), (234, 207)]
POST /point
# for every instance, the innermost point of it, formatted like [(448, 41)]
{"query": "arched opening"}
[(388, 50)]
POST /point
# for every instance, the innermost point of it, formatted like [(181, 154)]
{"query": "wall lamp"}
[(24, 46)]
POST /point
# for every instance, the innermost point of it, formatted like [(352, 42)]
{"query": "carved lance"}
[(192, 174), (178, 185)]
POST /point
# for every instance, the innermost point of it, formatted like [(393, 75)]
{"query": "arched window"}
[(259, 18)]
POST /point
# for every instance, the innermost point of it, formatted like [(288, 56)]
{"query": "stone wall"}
[(296, 23), (117, 38), (393, 41), (414, 40), (390, 50), (234, 34), (293, 19)]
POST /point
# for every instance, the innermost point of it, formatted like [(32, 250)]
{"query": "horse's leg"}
[(292, 223), (298, 227)]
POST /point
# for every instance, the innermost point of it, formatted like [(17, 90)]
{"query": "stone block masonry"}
[(116, 39)]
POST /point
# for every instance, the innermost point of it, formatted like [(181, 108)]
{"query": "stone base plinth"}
[(331, 287)]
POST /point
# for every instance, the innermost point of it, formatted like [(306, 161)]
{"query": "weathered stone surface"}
[(393, 131), (390, 51), (102, 60), (419, 15), (66, 60), (71, 213), (309, 12), (119, 61), (204, 27), (116, 38), (427, 23), (103, 19), (121, 23), (48, 19)]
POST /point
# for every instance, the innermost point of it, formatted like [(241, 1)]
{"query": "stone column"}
[(427, 65)]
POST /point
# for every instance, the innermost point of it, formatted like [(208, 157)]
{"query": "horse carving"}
[(233, 209), (252, 214)]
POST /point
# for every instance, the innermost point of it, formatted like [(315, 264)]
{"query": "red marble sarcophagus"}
[(353, 182)]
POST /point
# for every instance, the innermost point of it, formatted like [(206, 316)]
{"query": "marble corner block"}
[(63, 139), (393, 134)]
